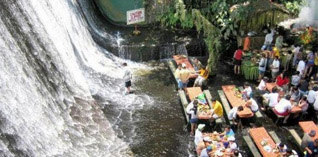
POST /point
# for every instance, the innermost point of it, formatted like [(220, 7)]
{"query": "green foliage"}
[(293, 6)]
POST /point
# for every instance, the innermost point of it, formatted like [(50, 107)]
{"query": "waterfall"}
[(309, 13), (50, 68)]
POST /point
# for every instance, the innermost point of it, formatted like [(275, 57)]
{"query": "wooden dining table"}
[(270, 86), (260, 134), (193, 92), (307, 126), (235, 101), (179, 59)]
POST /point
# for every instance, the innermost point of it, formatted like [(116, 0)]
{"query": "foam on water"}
[(50, 67)]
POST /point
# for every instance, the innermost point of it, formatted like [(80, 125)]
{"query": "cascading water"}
[(50, 67), (62, 95), (309, 14)]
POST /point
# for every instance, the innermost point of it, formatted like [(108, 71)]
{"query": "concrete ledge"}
[(184, 103), (296, 136), (274, 136), (225, 104), (172, 68), (251, 146)]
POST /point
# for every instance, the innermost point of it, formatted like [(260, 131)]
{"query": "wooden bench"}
[(251, 146), (184, 103), (258, 114), (172, 68), (225, 104), (296, 136), (274, 136)]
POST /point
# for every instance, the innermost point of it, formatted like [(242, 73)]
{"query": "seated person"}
[(247, 91), (236, 153), (217, 109), (206, 151), (233, 114), (203, 144), (252, 104), (307, 138), (283, 108), (312, 149), (291, 153), (272, 98), (295, 79), (295, 94), (232, 145), (228, 131), (262, 86), (198, 134), (281, 148), (282, 81), (203, 75)]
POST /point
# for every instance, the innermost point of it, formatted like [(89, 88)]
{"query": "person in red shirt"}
[(238, 60), (282, 81)]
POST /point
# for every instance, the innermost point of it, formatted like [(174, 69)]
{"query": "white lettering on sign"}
[(135, 16)]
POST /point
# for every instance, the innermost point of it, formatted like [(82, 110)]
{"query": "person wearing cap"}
[(307, 138), (217, 110), (192, 110), (206, 151), (312, 149), (203, 144), (203, 75), (198, 134), (184, 76), (127, 78), (232, 145), (238, 60)]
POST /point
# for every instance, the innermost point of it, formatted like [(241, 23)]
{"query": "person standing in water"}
[(127, 78)]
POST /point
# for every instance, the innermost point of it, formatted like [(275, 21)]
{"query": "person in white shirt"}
[(252, 104), (233, 114), (275, 67), (198, 134), (247, 91), (262, 86), (312, 94), (301, 67), (296, 79), (272, 98), (127, 78), (268, 41), (192, 110), (232, 145), (283, 108)]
